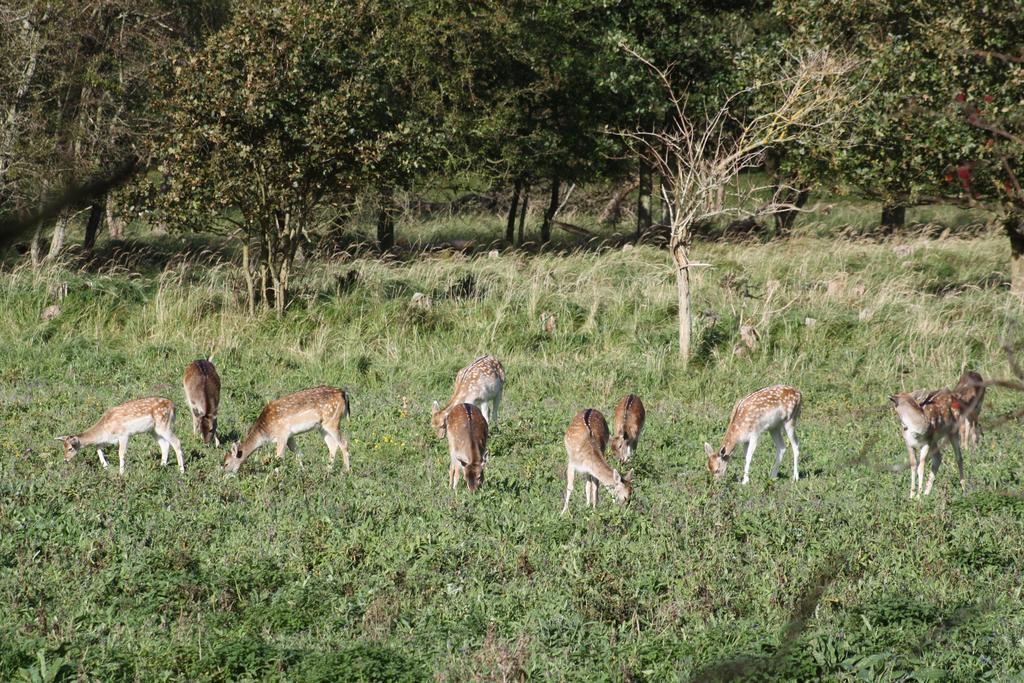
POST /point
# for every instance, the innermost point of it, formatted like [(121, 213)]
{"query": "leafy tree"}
[(291, 104)]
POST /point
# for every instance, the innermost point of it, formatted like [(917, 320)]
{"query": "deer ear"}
[(708, 449), (59, 438), (629, 477), (463, 462), (435, 407), (617, 478), (483, 458), (893, 399)]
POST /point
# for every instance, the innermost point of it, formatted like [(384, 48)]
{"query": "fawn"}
[(466, 430), (629, 421), (202, 393), (480, 383), (585, 441), (771, 410), (971, 392), (294, 414), (927, 419), (154, 415)]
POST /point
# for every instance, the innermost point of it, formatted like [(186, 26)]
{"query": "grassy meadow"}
[(296, 573)]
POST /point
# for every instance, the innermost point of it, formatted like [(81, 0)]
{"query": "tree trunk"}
[(682, 264), (549, 215), (92, 226), (612, 211), (250, 278), (785, 218), (522, 213), (1014, 226), (643, 200), (893, 217), (386, 224), (115, 224), (60, 229), (510, 220)]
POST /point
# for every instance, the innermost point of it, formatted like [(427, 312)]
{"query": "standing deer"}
[(466, 430), (771, 410), (629, 421), (480, 383), (202, 393), (154, 415), (296, 413), (585, 441), (971, 392), (927, 419)]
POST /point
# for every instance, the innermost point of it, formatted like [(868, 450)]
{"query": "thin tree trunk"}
[(549, 215), (1014, 226), (682, 263), (643, 200), (115, 224), (522, 213), (60, 229), (893, 217), (250, 278), (612, 211), (92, 226), (510, 220), (386, 223)]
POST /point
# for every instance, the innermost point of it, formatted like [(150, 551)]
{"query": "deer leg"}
[(339, 441), (751, 447), (922, 458), (912, 460), (959, 464), (103, 460), (780, 450), (279, 452), (165, 448), (936, 461), (172, 439), (485, 409), (122, 450), (195, 423), (791, 433), (595, 489), (570, 475), (496, 403)]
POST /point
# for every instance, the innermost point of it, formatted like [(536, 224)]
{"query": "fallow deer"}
[(154, 415), (971, 392), (771, 410), (629, 422), (202, 393), (466, 430), (927, 419), (480, 383), (585, 441), (296, 413)]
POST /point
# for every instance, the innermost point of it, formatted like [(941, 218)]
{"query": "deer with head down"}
[(466, 429), (479, 383), (927, 418), (629, 422), (284, 418), (971, 392), (202, 393), (155, 415), (772, 410), (585, 442)]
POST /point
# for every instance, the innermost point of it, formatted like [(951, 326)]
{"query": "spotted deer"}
[(629, 422), (466, 429), (771, 410), (585, 442), (971, 392), (155, 415), (294, 414), (927, 418), (202, 393), (480, 383)]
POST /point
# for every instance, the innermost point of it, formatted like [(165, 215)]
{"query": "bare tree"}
[(701, 154)]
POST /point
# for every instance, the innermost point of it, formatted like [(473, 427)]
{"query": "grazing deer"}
[(154, 415), (202, 393), (480, 383), (771, 410), (585, 441), (466, 429), (629, 421), (294, 414), (971, 392), (927, 419)]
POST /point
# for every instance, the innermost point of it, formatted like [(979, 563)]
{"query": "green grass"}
[(301, 574)]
